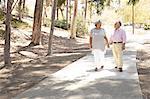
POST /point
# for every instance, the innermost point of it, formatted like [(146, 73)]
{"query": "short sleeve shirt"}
[(98, 39)]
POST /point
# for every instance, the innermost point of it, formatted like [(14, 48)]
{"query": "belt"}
[(117, 42)]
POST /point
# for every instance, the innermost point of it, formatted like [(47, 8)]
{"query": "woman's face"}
[(98, 25)]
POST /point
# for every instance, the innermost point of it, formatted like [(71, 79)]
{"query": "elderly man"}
[(97, 38), (118, 40)]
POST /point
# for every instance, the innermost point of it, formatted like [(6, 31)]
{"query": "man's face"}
[(116, 25)]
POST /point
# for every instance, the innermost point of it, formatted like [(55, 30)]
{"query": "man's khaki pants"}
[(117, 53)]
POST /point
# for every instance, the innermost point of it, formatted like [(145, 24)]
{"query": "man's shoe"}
[(120, 70), (102, 67), (116, 67), (96, 69)]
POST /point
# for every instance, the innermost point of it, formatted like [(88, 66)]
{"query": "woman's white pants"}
[(98, 57)]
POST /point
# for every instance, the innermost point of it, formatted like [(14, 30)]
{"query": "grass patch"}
[(2, 32), (2, 15), (19, 24)]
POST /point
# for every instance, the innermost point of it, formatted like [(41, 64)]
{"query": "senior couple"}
[(98, 41)]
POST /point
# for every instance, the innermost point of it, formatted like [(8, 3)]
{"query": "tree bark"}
[(52, 27), (36, 32), (85, 14), (45, 15), (73, 26), (57, 11), (67, 11), (133, 18), (7, 59), (20, 9), (24, 8), (61, 10), (4, 6)]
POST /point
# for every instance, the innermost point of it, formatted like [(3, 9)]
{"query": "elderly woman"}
[(97, 43)]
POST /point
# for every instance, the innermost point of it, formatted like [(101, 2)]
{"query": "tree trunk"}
[(57, 11), (14, 5), (45, 16), (20, 9), (85, 14), (67, 11), (133, 18), (52, 27), (4, 6), (61, 10), (36, 32), (91, 10), (24, 8), (7, 59), (73, 26)]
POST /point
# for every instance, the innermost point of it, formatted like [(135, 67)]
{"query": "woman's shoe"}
[(116, 67), (102, 67)]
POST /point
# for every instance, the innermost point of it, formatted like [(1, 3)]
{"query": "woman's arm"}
[(90, 40), (106, 41)]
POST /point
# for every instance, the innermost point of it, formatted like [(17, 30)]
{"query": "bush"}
[(2, 15), (2, 32), (47, 22), (146, 27), (19, 24), (81, 27), (61, 24), (58, 23)]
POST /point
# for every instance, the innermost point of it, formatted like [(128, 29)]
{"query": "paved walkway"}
[(80, 81)]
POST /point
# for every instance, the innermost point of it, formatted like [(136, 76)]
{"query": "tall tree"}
[(70, 10), (52, 27), (7, 59), (4, 5), (73, 26), (59, 7), (133, 2), (85, 14), (67, 11), (20, 9), (24, 7), (36, 32)]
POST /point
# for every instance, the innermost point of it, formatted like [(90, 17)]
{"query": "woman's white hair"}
[(97, 22)]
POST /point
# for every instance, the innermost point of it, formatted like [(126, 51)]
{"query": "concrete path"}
[(80, 81)]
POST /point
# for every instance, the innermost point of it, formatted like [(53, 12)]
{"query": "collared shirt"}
[(119, 35)]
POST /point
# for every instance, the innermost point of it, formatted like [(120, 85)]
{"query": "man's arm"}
[(124, 39)]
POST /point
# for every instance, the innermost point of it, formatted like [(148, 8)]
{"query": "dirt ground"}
[(143, 65), (30, 65)]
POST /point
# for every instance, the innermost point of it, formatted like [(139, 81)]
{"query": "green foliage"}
[(2, 32), (60, 3), (147, 26), (19, 24), (47, 22), (132, 2), (141, 12), (100, 4), (2, 15), (61, 24), (58, 23), (81, 27)]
